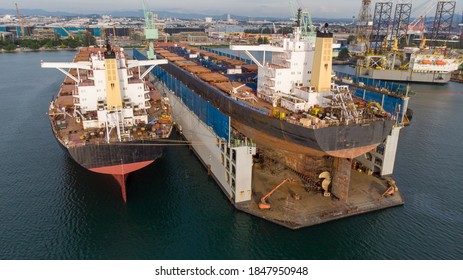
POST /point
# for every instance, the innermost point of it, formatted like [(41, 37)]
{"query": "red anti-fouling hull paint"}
[(120, 173), (121, 169), (118, 159)]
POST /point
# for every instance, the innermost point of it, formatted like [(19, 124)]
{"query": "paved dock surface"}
[(294, 207)]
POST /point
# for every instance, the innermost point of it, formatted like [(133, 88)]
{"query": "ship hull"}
[(94, 157), (118, 159), (405, 76), (270, 141), (347, 141)]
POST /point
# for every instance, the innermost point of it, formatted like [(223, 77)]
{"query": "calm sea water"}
[(51, 208)]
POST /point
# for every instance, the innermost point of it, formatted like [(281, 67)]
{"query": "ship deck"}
[(214, 75), (73, 134), (311, 207)]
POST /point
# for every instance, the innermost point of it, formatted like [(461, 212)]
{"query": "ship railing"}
[(372, 84), (135, 80), (140, 112), (328, 122), (235, 143)]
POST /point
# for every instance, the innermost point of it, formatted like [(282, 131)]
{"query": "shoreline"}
[(20, 50)]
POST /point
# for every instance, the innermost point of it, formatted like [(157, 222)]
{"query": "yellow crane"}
[(21, 24), (67, 32)]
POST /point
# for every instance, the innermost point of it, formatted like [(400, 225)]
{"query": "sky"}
[(253, 8)]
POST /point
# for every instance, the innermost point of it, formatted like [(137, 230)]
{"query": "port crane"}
[(423, 10), (263, 204), (303, 20), (67, 32), (442, 20), (151, 32)]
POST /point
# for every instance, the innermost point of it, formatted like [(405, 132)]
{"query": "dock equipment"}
[(263, 204)]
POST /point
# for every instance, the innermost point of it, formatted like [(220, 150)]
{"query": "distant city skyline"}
[(255, 8)]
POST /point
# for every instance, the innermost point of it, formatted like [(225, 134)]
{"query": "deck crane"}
[(151, 32), (21, 24)]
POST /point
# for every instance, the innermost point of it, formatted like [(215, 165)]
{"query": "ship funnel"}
[(322, 64), (113, 90)]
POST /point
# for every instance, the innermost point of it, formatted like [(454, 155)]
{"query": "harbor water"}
[(51, 208)]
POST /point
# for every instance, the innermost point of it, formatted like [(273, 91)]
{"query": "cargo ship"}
[(412, 64), (107, 115), (297, 107)]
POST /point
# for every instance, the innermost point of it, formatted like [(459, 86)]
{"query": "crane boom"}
[(67, 32), (21, 24), (263, 203), (423, 12), (293, 9)]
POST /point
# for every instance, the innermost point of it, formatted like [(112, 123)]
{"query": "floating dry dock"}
[(298, 126)]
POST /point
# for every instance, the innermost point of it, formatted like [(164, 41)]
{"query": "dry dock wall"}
[(230, 166)]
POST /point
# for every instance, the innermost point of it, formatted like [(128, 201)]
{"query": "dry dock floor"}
[(365, 195)]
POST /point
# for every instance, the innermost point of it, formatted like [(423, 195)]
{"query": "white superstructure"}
[(286, 80), (411, 64), (290, 68)]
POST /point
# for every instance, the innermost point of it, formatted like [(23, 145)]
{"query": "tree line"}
[(82, 40)]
